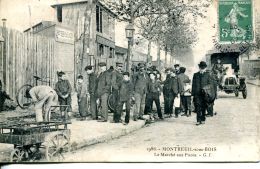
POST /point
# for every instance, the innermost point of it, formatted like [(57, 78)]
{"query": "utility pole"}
[(30, 18), (86, 35)]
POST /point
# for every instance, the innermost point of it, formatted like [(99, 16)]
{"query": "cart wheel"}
[(244, 93), (34, 152), (18, 155), (236, 93), (23, 101), (55, 148), (111, 102)]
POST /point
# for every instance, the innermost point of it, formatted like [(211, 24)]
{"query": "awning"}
[(121, 50), (105, 41)]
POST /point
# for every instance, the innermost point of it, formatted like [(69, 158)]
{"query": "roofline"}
[(80, 2), (41, 22), (48, 26), (67, 3)]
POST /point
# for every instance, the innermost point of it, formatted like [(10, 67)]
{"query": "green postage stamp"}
[(235, 21)]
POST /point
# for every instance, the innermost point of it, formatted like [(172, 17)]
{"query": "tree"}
[(167, 22)]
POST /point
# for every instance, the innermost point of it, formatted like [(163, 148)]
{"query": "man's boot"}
[(185, 113)]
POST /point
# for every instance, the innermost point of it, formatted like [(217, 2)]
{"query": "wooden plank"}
[(9, 55), (52, 64), (39, 58), (12, 64), (21, 58), (35, 56), (27, 55), (49, 61)]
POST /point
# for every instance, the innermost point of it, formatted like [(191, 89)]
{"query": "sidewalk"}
[(85, 133), (255, 82)]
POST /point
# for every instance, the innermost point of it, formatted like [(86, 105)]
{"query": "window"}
[(59, 13), (99, 19), (111, 53), (100, 50)]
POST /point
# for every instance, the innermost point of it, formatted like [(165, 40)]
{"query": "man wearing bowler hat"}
[(103, 90), (199, 81), (117, 78)]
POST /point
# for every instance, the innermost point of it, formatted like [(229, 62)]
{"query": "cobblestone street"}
[(231, 135)]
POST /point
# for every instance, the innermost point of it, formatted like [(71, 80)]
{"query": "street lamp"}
[(129, 32)]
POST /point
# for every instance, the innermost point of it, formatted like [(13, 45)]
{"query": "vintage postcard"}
[(129, 81)]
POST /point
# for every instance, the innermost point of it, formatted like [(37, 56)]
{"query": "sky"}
[(17, 13)]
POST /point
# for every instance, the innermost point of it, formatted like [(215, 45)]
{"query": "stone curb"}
[(106, 137)]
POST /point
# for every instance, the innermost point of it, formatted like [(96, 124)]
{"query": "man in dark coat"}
[(167, 93), (171, 89), (116, 80), (147, 108), (210, 106), (140, 81), (103, 90), (92, 82), (199, 81)]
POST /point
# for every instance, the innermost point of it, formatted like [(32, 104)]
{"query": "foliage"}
[(169, 22)]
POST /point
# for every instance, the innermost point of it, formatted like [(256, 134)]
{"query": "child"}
[(125, 95), (3, 97), (187, 97), (153, 94), (81, 89), (63, 89)]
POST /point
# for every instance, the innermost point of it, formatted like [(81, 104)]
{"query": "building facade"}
[(94, 30), (63, 46)]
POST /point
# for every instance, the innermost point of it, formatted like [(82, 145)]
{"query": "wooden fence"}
[(23, 56)]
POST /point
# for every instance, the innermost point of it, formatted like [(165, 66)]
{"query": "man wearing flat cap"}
[(63, 89), (140, 81), (103, 90), (199, 81), (116, 80)]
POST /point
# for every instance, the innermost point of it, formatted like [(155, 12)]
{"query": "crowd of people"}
[(142, 87), (137, 90)]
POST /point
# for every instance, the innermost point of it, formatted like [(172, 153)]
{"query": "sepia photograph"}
[(129, 81)]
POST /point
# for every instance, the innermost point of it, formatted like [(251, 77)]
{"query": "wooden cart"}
[(33, 139)]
